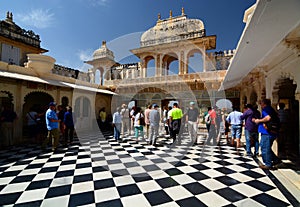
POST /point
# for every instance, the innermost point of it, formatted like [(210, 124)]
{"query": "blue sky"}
[(72, 29)]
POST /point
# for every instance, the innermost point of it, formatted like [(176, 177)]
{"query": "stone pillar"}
[(204, 59), (91, 75), (144, 68), (18, 108), (297, 97), (101, 77), (182, 64), (158, 65), (127, 74)]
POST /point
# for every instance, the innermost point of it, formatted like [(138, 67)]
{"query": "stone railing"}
[(187, 36), (65, 71), (210, 76)]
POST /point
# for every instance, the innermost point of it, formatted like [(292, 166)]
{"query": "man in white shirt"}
[(154, 119), (125, 120), (234, 119), (117, 123)]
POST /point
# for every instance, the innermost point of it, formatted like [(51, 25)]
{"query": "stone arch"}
[(38, 99), (194, 63), (98, 76), (147, 59), (156, 97), (82, 112), (150, 71), (166, 62), (253, 98), (284, 91), (6, 98), (284, 87)]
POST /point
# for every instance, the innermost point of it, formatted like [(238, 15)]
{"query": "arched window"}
[(195, 61), (170, 64)]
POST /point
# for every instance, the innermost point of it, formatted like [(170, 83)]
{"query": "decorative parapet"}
[(41, 64), (225, 53), (65, 71), (220, 60), (173, 29), (12, 31), (164, 40), (126, 66), (211, 76)]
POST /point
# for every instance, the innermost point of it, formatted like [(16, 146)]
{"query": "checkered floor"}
[(98, 171)]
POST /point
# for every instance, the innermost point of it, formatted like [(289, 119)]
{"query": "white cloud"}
[(97, 2), (39, 18), (85, 55)]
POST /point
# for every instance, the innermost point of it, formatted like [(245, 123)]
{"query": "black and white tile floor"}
[(98, 171)]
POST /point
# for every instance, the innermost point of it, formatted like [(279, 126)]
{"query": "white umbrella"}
[(224, 104)]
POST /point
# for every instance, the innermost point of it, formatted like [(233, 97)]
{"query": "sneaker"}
[(264, 167), (277, 162)]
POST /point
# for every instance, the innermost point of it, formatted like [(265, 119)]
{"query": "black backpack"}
[(273, 125)]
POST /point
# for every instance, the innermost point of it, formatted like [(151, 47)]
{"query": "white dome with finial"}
[(173, 29), (103, 52)]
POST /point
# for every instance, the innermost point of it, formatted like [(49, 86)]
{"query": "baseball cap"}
[(192, 103), (155, 105), (52, 104)]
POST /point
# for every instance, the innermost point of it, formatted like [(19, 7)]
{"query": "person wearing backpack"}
[(251, 129), (207, 119), (175, 122), (212, 133), (165, 119), (138, 126), (267, 138)]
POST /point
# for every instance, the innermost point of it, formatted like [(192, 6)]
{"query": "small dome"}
[(103, 52), (173, 29)]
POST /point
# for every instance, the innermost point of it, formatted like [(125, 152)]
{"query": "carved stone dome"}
[(103, 52), (173, 29)]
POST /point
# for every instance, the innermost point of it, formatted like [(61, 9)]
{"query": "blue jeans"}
[(117, 130), (248, 136), (236, 131), (267, 154)]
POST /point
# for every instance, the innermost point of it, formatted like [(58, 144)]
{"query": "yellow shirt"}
[(102, 116), (176, 113)]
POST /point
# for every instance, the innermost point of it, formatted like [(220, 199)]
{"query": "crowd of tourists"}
[(219, 123), (59, 124), (265, 126), (172, 119), (268, 124)]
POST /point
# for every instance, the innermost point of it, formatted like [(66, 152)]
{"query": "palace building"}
[(29, 78), (174, 40)]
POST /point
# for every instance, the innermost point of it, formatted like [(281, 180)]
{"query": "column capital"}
[(297, 96)]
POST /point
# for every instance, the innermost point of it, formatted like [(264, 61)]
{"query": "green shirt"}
[(176, 113)]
